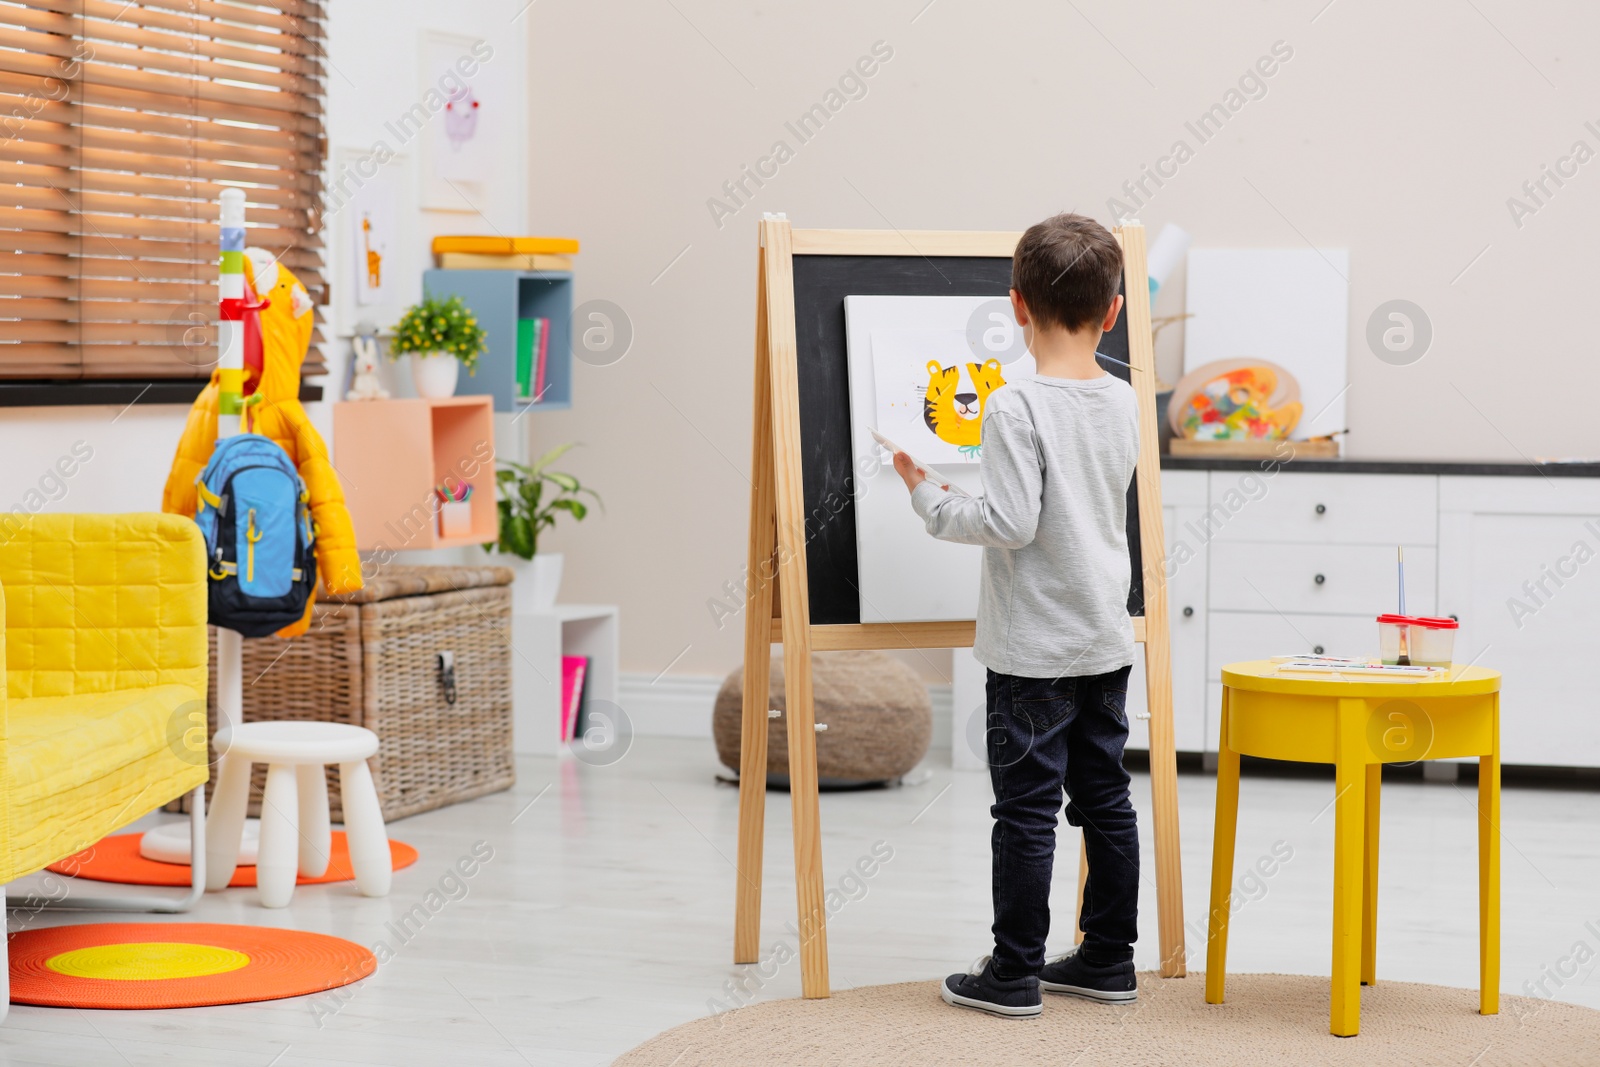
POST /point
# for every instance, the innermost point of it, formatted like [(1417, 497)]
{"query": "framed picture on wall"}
[(375, 274), (471, 118)]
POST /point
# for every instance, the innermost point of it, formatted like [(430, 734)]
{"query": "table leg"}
[(1369, 881), (1489, 875), (1222, 863), (1350, 781)]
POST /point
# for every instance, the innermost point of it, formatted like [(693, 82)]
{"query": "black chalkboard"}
[(820, 285)]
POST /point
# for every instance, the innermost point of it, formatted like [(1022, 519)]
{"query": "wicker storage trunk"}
[(372, 659)]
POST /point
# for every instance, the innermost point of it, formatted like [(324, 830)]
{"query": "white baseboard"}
[(674, 705), (680, 705)]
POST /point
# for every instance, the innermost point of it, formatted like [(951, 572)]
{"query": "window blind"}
[(122, 122)]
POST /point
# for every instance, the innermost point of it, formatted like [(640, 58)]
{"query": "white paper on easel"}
[(1288, 306), (905, 575)]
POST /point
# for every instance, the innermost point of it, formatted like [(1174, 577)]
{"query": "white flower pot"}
[(537, 583), (435, 374)]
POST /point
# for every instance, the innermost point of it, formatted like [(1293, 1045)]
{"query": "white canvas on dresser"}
[(1289, 306), (906, 575)]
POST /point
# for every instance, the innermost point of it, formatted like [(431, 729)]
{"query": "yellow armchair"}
[(102, 717)]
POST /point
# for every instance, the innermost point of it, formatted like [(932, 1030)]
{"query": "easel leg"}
[(1164, 801), (761, 575), (775, 323), (1083, 880), (1158, 639), (800, 716), (753, 779)]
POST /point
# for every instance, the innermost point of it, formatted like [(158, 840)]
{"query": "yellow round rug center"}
[(144, 961)]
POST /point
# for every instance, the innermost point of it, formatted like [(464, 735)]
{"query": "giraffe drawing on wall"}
[(374, 258)]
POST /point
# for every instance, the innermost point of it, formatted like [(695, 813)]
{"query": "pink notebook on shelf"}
[(573, 668), (544, 350)]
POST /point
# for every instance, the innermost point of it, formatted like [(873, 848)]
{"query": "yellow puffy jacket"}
[(285, 338)]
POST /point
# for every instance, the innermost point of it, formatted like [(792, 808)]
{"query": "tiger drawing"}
[(957, 417)]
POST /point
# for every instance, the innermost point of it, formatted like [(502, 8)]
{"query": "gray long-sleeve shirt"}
[(1058, 456)]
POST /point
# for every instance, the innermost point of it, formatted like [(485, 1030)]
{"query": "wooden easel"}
[(777, 561)]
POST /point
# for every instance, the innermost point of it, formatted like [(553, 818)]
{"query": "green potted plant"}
[(441, 335), (531, 498)]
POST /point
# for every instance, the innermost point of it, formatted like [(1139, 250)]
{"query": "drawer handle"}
[(1320, 579), (1322, 509), (1317, 650), (1188, 612)]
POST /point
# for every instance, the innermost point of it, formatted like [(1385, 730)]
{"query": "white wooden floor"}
[(605, 914)]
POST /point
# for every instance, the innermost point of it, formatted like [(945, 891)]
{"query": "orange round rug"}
[(117, 859), (177, 965)]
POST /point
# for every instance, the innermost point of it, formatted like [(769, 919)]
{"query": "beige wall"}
[(1398, 131)]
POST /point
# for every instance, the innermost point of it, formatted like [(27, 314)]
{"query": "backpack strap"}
[(223, 570), (207, 495)]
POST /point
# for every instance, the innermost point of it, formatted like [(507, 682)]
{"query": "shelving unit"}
[(539, 639), (391, 453), (498, 298)]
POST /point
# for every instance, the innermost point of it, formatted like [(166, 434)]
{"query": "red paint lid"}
[(1425, 621)]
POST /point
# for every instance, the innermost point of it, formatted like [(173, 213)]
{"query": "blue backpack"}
[(255, 515)]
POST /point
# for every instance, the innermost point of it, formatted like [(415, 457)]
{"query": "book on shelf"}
[(528, 335), (505, 246), (573, 670), (543, 344), (501, 261)]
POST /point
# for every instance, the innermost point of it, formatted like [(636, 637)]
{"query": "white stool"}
[(295, 833)]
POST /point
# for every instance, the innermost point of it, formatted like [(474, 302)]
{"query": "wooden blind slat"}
[(66, 244), (302, 19), (268, 51), (149, 59), (123, 124), (116, 226), (103, 127), (159, 184), (45, 153)]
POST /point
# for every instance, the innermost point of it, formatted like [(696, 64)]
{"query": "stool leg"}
[(1350, 781), (316, 837), (225, 824), (1222, 863), (363, 827), (276, 861), (1369, 881), (1489, 875)]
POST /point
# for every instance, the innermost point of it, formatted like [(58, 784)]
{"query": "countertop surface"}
[(1586, 469)]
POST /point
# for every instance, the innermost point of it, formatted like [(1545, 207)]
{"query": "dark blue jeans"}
[(1046, 735)]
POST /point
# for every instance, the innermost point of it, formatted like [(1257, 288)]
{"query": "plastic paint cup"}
[(1433, 641), (1426, 641), (1394, 636)]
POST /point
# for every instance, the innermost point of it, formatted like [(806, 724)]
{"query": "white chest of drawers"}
[(1264, 563)]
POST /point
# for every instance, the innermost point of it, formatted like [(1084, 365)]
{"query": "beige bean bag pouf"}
[(877, 711)]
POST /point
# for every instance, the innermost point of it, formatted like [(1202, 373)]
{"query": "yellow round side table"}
[(1358, 723)]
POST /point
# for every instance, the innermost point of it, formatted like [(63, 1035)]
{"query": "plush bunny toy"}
[(364, 349)]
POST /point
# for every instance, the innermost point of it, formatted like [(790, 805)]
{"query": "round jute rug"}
[(1268, 1019)]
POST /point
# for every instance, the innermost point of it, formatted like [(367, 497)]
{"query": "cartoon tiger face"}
[(954, 416)]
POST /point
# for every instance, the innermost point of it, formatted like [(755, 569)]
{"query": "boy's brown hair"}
[(1068, 269)]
